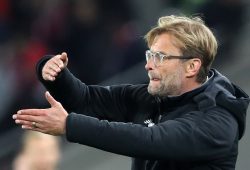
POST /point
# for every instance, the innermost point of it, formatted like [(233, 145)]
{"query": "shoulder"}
[(217, 124)]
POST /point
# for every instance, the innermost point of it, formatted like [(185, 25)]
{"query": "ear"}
[(192, 67)]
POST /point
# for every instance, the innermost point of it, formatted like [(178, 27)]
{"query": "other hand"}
[(50, 121), (54, 66)]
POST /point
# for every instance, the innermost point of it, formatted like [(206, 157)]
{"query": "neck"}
[(189, 86)]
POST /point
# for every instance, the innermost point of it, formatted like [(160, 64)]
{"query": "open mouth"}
[(154, 79)]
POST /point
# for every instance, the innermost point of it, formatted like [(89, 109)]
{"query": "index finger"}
[(35, 112)]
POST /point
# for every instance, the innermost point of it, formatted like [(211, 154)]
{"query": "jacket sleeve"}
[(194, 136), (103, 102)]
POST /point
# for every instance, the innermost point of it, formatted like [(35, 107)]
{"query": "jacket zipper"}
[(158, 100)]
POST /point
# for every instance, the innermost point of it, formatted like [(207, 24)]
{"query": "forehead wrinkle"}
[(166, 44)]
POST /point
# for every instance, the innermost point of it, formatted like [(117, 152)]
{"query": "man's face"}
[(166, 79)]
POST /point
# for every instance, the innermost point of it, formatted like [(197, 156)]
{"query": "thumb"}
[(64, 58), (50, 99)]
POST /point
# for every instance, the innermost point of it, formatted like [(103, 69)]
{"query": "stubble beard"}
[(170, 85)]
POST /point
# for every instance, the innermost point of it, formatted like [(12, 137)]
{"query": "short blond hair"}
[(194, 38)]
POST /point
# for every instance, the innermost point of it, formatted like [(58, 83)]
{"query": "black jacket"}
[(198, 130)]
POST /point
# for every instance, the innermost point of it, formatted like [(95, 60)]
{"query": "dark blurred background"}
[(104, 42)]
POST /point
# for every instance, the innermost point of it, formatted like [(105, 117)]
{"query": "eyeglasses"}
[(159, 57)]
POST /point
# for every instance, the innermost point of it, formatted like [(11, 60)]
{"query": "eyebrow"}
[(161, 52)]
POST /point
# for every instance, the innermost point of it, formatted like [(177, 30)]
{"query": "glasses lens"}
[(157, 58), (148, 55)]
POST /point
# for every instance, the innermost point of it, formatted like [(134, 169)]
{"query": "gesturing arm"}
[(178, 139), (190, 137), (110, 102)]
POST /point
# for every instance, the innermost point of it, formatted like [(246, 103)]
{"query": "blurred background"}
[(104, 42)]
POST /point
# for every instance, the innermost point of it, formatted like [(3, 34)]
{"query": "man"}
[(189, 117)]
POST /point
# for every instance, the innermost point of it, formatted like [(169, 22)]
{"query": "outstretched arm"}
[(179, 139), (184, 138), (75, 96)]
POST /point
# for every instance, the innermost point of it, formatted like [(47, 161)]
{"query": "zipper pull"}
[(159, 118)]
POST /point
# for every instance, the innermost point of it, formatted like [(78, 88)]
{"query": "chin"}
[(153, 90)]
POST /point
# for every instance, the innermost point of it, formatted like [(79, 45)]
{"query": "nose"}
[(149, 65)]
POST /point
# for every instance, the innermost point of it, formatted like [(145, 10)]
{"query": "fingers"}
[(50, 99), (54, 66), (27, 123), (33, 112), (29, 119), (58, 61), (64, 58), (29, 126), (20, 119)]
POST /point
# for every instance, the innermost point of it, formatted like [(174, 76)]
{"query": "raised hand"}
[(54, 66), (50, 121)]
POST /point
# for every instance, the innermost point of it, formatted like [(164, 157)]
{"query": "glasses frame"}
[(161, 57)]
